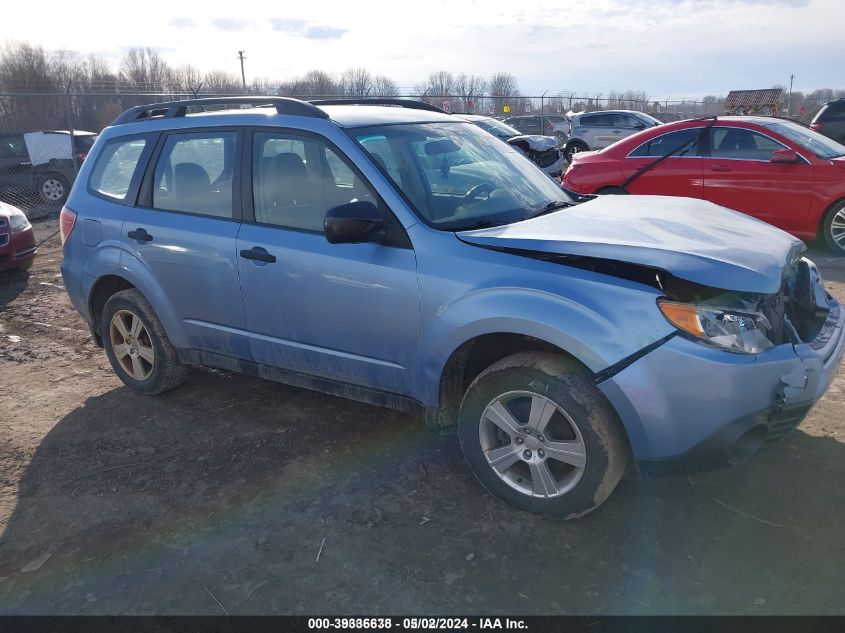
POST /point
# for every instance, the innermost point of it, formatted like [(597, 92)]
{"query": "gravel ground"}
[(269, 499)]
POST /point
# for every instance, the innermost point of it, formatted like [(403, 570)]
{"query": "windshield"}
[(497, 128), (820, 145), (456, 176)]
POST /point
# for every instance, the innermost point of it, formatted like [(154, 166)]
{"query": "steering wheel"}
[(472, 194)]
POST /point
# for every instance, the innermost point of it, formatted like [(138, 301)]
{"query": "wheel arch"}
[(820, 234)]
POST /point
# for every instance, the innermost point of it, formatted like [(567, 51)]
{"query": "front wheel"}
[(833, 228), (538, 435)]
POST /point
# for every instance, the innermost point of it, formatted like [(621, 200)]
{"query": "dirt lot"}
[(221, 494)]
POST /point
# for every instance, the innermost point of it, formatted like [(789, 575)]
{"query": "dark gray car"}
[(41, 164)]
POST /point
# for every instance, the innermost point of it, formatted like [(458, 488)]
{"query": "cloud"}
[(302, 28), (183, 23), (229, 24), (323, 33), (294, 27)]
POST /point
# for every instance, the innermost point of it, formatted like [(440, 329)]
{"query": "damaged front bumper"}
[(688, 408)]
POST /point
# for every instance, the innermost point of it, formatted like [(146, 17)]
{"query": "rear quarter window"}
[(116, 166)]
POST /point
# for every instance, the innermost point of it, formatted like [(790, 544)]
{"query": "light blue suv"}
[(391, 253)]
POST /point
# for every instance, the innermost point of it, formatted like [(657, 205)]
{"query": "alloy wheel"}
[(532, 444), (837, 228), (132, 345)]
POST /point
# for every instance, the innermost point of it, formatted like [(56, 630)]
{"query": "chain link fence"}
[(45, 136)]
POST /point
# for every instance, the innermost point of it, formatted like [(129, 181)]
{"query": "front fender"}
[(570, 325)]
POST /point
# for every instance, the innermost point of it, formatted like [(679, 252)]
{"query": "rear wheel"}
[(53, 188), (538, 435), (573, 147), (137, 347), (833, 227)]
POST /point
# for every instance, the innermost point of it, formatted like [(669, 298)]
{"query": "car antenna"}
[(652, 165)]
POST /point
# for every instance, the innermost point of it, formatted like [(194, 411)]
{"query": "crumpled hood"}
[(693, 239), (535, 142)]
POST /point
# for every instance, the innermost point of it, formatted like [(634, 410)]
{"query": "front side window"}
[(455, 176), (116, 165), (297, 179), (194, 174), (679, 143), (741, 144)]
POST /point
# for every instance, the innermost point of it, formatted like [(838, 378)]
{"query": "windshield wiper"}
[(552, 206)]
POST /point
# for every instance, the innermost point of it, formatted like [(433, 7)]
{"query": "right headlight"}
[(733, 330)]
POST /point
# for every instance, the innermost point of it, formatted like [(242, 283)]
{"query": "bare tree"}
[(384, 87), (356, 82), (502, 87), (143, 69), (470, 88)]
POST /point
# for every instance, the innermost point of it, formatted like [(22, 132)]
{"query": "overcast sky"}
[(665, 47)]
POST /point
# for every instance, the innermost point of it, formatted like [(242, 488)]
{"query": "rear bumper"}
[(689, 408)]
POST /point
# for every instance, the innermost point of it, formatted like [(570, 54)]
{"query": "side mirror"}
[(784, 156), (353, 223)]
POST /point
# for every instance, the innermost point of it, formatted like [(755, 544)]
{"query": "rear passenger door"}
[(182, 236), (344, 312)]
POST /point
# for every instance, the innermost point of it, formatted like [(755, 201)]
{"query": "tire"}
[(577, 414), (573, 147), (833, 228), (153, 367), (612, 191), (53, 188)]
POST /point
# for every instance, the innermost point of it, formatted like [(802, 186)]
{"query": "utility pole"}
[(243, 76), (789, 99)]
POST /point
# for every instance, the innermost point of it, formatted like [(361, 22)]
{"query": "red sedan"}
[(773, 169), (17, 241)]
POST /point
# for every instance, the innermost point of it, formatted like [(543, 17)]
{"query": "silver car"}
[(596, 130)]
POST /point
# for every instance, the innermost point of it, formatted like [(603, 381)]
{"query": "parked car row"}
[(392, 253), (776, 170), (41, 163)]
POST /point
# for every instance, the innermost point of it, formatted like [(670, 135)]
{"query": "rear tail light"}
[(816, 125), (67, 220)]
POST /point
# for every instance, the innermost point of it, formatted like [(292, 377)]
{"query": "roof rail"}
[(172, 109), (402, 103)]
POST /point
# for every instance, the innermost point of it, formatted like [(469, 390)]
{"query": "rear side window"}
[(668, 143), (12, 147), (115, 167), (194, 174)]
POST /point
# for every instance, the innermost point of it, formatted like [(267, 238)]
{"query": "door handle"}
[(720, 168), (140, 235), (256, 253)]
